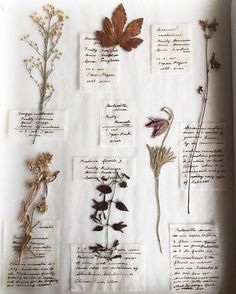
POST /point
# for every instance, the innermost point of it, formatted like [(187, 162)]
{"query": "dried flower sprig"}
[(159, 156), (211, 64), (43, 176), (41, 66), (102, 213)]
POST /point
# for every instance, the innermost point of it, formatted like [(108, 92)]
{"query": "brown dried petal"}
[(105, 189), (215, 65), (159, 126)]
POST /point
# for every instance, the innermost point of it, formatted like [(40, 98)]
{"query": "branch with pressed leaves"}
[(43, 176), (211, 64), (102, 213), (42, 64), (159, 156)]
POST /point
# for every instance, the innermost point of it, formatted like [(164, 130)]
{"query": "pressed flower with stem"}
[(159, 156), (41, 65), (43, 176), (211, 64), (103, 210)]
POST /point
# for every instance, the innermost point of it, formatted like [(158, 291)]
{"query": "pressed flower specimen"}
[(43, 176), (115, 33), (103, 210), (41, 65), (159, 156), (211, 64)]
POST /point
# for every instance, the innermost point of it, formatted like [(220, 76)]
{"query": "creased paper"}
[(34, 271), (49, 124), (90, 168), (209, 167), (171, 48), (91, 273), (98, 66), (116, 122), (195, 264)]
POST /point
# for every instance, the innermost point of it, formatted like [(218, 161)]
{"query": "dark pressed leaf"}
[(119, 226), (116, 256), (134, 28), (115, 244), (98, 228), (131, 44), (200, 90), (99, 246), (123, 184), (127, 177), (95, 219), (105, 189), (119, 19), (103, 205), (104, 178), (121, 206), (215, 65)]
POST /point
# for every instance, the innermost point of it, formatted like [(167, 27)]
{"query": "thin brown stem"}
[(200, 123), (109, 213), (158, 212)]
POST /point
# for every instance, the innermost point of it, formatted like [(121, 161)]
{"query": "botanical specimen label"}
[(195, 264), (116, 122), (39, 265), (49, 124), (98, 66), (91, 168), (92, 273), (171, 48), (208, 167)]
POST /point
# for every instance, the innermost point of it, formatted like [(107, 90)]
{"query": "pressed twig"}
[(209, 28), (159, 156), (42, 177), (41, 66)]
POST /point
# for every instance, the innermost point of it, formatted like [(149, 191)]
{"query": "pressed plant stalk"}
[(102, 214), (43, 176), (41, 66), (159, 156), (209, 28)]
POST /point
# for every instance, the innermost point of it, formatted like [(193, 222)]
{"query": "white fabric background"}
[(70, 202)]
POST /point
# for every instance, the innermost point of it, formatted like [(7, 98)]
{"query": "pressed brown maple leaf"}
[(115, 33)]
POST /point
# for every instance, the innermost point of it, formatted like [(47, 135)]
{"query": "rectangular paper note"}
[(209, 167), (194, 257), (91, 168), (91, 273), (171, 48), (47, 124), (116, 123), (34, 271), (98, 66)]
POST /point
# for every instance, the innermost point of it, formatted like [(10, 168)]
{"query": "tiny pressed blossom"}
[(103, 210), (41, 65), (209, 28), (159, 156), (43, 176)]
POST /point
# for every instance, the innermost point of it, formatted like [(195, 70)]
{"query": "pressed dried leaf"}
[(121, 206), (98, 228), (119, 226), (114, 32), (103, 205), (105, 189), (123, 184)]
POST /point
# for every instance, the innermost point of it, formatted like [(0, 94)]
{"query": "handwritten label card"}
[(91, 273), (98, 66), (116, 123), (90, 168), (194, 257), (209, 167), (34, 271), (47, 124), (171, 48)]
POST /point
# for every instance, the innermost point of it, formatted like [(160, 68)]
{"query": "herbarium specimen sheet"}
[(117, 155)]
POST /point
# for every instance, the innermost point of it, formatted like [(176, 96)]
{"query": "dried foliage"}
[(41, 65), (102, 213), (211, 64), (159, 156), (115, 33), (43, 176)]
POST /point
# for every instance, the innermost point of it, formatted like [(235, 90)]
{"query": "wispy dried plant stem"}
[(41, 66), (158, 157), (210, 64)]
